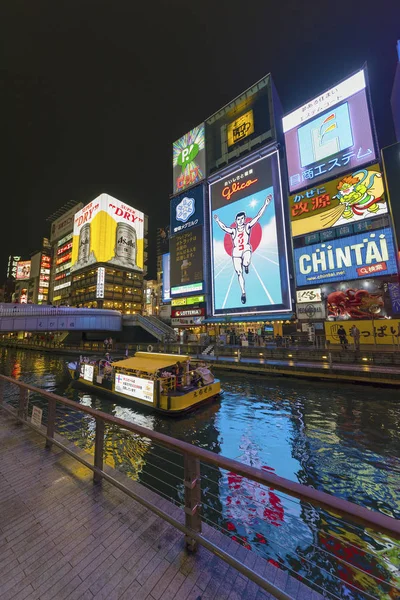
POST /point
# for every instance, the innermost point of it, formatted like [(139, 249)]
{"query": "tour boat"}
[(149, 379)]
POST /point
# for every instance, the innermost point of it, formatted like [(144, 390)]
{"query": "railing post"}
[(23, 404), (2, 386), (98, 449), (192, 499), (51, 422)]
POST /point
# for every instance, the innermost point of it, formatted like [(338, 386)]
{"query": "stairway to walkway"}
[(160, 330)]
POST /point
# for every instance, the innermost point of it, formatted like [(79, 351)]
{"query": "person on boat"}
[(204, 374), (178, 373)]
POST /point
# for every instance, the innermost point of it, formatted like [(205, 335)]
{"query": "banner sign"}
[(341, 202), (248, 241), (330, 134), (371, 332), (193, 312), (189, 160), (108, 231), (306, 296), (135, 387), (364, 255), (184, 321), (313, 310), (187, 210), (188, 301)]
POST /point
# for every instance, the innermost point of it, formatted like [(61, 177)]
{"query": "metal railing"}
[(192, 467)]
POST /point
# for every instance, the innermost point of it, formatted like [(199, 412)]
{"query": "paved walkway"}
[(61, 537)]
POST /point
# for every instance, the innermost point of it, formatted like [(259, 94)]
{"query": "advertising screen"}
[(366, 299), (186, 261), (341, 202), (135, 386), (248, 241), (64, 224), (166, 287), (240, 126), (364, 255), (108, 231), (187, 210), (330, 134), (383, 332), (23, 270), (189, 160)]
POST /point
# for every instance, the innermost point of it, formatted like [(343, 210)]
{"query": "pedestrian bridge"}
[(33, 317)]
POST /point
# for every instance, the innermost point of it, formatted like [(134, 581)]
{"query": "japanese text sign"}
[(186, 251), (341, 202), (307, 296), (187, 210), (330, 134), (371, 332)]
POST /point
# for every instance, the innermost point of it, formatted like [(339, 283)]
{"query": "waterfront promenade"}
[(63, 537)]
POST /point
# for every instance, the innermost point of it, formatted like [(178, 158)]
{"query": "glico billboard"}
[(248, 241), (367, 254), (108, 231), (189, 161), (343, 201), (330, 134)]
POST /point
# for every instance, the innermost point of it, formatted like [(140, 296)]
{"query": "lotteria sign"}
[(364, 255)]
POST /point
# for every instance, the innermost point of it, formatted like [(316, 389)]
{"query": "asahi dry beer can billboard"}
[(108, 231)]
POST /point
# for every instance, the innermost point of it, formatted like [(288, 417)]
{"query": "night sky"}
[(94, 92)]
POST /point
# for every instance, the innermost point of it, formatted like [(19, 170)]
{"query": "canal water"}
[(342, 439)]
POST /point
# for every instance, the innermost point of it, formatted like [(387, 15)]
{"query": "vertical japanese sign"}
[(330, 134), (248, 240), (343, 201), (187, 262), (187, 210), (189, 161), (166, 286), (101, 273)]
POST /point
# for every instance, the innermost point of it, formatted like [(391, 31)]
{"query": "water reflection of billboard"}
[(189, 162), (353, 197), (366, 299), (23, 270), (166, 287), (249, 257), (329, 135), (108, 231), (187, 261)]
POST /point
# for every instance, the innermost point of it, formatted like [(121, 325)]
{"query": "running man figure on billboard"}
[(242, 250)]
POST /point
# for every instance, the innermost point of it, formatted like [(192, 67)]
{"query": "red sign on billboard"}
[(193, 312)]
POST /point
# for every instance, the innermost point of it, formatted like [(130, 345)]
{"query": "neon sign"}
[(228, 191)]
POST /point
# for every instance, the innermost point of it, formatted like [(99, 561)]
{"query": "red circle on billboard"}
[(255, 237)]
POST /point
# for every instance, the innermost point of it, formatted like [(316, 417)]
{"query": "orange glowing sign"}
[(229, 190), (240, 128)]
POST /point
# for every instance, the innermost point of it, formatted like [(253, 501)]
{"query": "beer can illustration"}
[(84, 244), (125, 244)]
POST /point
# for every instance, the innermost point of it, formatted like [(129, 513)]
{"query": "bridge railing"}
[(333, 564)]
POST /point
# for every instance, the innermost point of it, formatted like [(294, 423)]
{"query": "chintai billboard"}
[(364, 255), (108, 231), (248, 240)]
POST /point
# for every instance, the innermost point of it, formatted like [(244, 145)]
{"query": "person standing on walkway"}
[(355, 334), (342, 337)]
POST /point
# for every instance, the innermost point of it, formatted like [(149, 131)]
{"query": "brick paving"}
[(64, 538)]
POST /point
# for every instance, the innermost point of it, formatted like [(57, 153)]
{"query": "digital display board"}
[(108, 231), (330, 134), (375, 298), (240, 126), (166, 286), (23, 270), (363, 255), (248, 240), (187, 210), (189, 161), (135, 387), (353, 197), (186, 260)]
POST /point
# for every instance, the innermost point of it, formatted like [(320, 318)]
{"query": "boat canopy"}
[(149, 362)]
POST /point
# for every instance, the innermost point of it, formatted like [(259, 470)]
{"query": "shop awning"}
[(151, 364), (253, 319)]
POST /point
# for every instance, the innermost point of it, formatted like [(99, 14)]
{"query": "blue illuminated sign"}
[(187, 210), (166, 267), (364, 255)]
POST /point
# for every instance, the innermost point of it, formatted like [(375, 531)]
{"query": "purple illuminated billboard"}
[(329, 135)]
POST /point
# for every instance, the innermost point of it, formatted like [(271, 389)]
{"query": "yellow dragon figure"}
[(360, 191)]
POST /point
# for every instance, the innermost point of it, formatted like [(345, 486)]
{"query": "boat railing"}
[(168, 383), (349, 551)]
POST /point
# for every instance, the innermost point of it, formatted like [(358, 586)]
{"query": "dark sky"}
[(94, 92)]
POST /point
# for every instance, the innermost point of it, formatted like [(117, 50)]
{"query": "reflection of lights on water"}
[(122, 412)]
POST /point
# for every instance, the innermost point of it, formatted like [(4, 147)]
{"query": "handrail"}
[(340, 506)]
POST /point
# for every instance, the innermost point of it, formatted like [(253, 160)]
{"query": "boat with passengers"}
[(167, 383)]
